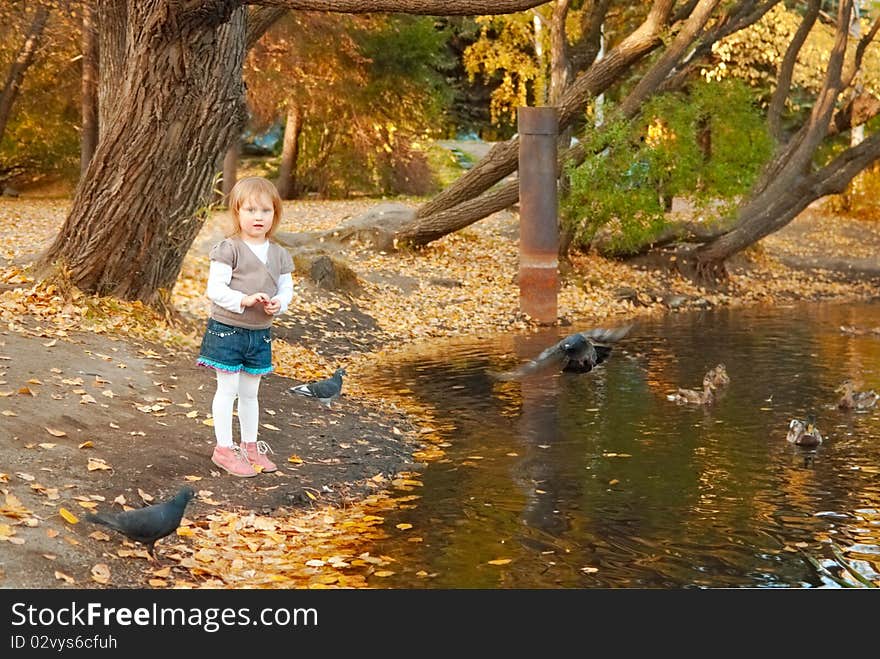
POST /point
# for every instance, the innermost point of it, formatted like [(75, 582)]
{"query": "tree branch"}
[(423, 7), (259, 20), (20, 65), (683, 40), (786, 69)]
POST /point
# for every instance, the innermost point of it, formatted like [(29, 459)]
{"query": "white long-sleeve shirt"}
[(220, 274)]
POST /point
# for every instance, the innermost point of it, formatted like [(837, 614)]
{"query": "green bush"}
[(707, 144)]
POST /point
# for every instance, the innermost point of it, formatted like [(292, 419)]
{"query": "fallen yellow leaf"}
[(55, 433), (500, 561), (68, 516), (101, 573), (97, 463), (61, 575)]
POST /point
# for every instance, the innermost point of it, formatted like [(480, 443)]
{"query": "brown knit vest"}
[(250, 275)]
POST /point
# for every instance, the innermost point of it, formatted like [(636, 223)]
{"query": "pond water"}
[(598, 480)]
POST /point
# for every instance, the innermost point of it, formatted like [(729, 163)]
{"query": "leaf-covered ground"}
[(104, 408)]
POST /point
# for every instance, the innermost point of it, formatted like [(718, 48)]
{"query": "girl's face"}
[(255, 218)]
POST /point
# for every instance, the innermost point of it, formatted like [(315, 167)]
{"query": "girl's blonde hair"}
[(245, 190)]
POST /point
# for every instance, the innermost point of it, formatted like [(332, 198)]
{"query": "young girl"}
[(249, 283)]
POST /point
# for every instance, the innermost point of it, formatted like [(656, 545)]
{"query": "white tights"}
[(229, 387)]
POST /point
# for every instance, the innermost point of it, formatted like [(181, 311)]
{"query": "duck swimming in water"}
[(856, 400), (718, 376), (694, 397), (803, 433)]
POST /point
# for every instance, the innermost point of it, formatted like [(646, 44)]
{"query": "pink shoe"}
[(233, 460), (256, 454)]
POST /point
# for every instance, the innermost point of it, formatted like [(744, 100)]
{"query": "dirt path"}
[(89, 419)]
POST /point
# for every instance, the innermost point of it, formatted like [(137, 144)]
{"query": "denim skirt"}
[(233, 349)]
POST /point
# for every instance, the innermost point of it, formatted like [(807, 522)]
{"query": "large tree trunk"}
[(90, 55), (290, 151), (21, 64), (180, 99)]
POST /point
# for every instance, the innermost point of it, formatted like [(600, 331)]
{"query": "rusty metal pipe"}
[(538, 204)]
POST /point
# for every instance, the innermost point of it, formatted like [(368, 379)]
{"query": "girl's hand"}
[(272, 306), (251, 300)]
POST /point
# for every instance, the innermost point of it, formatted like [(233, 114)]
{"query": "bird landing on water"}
[(580, 352)]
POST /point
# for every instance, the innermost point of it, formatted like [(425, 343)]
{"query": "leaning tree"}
[(171, 101), (791, 181)]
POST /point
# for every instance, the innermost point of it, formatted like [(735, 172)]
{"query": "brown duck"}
[(856, 400), (718, 376), (694, 396)]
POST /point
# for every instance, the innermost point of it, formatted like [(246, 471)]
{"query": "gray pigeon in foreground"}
[(149, 524), (576, 353), (326, 390)]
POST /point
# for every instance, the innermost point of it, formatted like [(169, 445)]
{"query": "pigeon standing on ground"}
[(149, 524), (326, 390), (576, 353)]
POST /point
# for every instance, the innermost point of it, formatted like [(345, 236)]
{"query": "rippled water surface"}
[(597, 480)]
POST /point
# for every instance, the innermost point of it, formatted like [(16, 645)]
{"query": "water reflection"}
[(586, 480)]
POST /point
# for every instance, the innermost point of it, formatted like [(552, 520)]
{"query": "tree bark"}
[(290, 151), (230, 171), (21, 64), (90, 55), (182, 98), (111, 50)]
